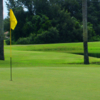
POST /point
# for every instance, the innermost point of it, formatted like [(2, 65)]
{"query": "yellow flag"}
[(13, 20)]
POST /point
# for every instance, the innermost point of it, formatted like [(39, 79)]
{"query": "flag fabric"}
[(13, 20)]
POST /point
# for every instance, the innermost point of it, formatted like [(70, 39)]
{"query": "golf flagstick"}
[(13, 23), (10, 56)]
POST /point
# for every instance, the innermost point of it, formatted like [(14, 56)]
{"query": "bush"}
[(50, 36), (95, 38), (23, 40), (31, 38), (8, 42), (27, 40)]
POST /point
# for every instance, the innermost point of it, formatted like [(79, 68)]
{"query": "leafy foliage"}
[(50, 36), (63, 17)]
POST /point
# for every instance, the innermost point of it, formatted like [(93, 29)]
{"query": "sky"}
[(4, 9), (5, 12)]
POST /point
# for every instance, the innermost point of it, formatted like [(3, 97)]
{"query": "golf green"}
[(51, 83)]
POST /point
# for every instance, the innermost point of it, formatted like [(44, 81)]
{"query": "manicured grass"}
[(51, 83), (42, 59), (43, 72), (48, 54), (60, 47), (93, 47)]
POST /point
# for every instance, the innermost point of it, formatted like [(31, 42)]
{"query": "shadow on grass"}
[(98, 63), (97, 55)]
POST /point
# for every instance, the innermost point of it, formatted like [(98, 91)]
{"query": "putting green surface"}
[(51, 83)]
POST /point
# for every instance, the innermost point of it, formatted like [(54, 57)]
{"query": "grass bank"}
[(77, 48), (22, 58)]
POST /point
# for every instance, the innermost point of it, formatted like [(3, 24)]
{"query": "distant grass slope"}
[(93, 47), (55, 55), (60, 47), (42, 59)]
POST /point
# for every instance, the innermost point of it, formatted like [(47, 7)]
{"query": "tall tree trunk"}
[(85, 32), (1, 32)]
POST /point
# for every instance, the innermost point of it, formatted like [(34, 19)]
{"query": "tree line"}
[(52, 21)]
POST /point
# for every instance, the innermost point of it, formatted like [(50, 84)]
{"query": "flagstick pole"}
[(10, 56), (13, 23)]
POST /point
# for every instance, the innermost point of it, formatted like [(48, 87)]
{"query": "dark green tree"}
[(36, 24), (64, 15)]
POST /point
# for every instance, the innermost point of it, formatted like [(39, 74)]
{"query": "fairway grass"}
[(93, 47), (42, 59), (46, 55), (51, 83)]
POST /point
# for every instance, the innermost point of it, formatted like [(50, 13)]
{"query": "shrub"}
[(8, 42), (27, 40), (23, 40), (50, 36), (31, 38), (95, 38)]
